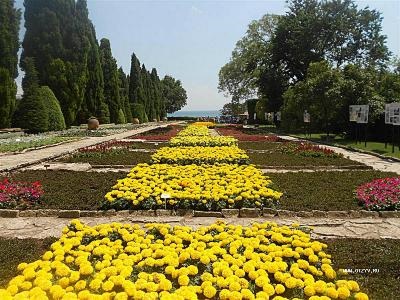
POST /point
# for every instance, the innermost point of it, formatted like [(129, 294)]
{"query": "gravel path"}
[(386, 165), (365, 228), (13, 161)]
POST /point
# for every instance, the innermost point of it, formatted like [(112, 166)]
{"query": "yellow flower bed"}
[(122, 261), (200, 155), (206, 141), (208, 124), (204, 187), (192, 130)]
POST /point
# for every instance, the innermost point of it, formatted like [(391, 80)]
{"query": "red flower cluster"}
[(16, 194), (167, 133), (308, 150), (106, 146), (380, 194), (244, 137)]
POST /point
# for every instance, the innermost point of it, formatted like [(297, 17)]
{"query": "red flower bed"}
[(21, 195), (106, 146), (243, 137), (380, 194), (159, 134)]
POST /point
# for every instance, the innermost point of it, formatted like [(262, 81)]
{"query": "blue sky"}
[(192, 40)]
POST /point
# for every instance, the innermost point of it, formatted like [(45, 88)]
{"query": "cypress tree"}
[(134, 79), (31, 113), (124, 94), (54, 39), (111, 84), (55, 117), (9, 45)]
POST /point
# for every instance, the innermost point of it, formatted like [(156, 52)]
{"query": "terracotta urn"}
[(93, 123), (135, 121)]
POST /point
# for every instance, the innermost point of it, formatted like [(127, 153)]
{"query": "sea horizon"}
[(196, 113)]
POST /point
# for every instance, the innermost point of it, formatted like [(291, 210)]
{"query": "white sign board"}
[(278, 116), (392, 113), (266, 116), (255, 116), (359, 113), (306, 117)]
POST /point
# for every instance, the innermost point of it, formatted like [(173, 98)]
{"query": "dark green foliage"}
[(121, 117), (139, 112), (9, 45), (322, 190), (371, 254), (14, 251), (113, 157), (111, 80), (124, 94), (251, 108), (134, 79), (103, 114), (7, 97), (32, 113), (71, 189), (55, 116), (174, 94), (55, 39)]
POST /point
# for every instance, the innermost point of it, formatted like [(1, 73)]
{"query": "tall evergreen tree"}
[(54, 39), (93, 97), (111, 85), (134, 79), (124, 93), (9, 45)]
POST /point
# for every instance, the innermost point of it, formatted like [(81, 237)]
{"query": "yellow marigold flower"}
[(361, 296), (343, 293), (279, 289), (209, 291)]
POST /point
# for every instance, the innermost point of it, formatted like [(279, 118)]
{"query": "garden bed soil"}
[(71, 189), (329, 191), (158, 134), (275, 158), (382, 255), (113, 157)]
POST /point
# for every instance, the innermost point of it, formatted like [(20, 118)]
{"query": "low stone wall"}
[(224, 213)]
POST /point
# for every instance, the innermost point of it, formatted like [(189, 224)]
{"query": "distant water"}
[(196, 113)]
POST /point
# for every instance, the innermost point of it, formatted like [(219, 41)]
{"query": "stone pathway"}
[(366, 228), (14, 161), (377, 163)]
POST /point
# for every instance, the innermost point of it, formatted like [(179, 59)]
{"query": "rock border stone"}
[(224, 213)]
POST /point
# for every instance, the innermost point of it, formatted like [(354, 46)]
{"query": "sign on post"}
[(306, 117), (278, 116), (392, 113), (359, 113)]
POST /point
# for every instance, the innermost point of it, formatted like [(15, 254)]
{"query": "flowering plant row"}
[(380, 194), (308, 150), (207, 124), (206, 141), (204, 187), (20, 195), (194, 130), (159, 134), (200, 155), (106, 146), (122, 261), (243, 137)]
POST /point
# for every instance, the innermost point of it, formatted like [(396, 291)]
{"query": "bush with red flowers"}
[(244, 137), (380, 194), (308, 150), (20, 195)]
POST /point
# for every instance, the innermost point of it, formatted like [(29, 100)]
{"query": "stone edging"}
[(225, 213)]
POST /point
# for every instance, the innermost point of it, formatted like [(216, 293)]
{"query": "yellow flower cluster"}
[(205, 141), (204, 187), (123, 261), (198, 135), (192, 130), (207, 124), (200, 155)]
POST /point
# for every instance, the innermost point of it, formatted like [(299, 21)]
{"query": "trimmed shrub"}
[(53, 108), (121, 117), (139, 112)]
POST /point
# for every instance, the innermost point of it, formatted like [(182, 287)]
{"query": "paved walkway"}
[(13, 161), (366, 228), (377, 163)]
